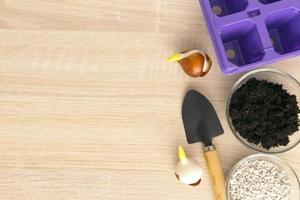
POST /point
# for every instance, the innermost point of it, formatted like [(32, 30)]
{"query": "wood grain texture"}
[(89, 107)]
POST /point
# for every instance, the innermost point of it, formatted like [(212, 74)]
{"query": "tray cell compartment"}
[(223, 8), (284, 30), (242, 43)]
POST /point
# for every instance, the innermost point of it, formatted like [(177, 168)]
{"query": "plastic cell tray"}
[(247, 34)]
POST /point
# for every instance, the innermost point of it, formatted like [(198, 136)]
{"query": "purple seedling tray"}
[(247, 34)]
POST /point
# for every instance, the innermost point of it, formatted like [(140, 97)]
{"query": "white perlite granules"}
[(259, 180)]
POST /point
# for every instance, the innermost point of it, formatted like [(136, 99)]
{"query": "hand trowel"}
[(201, 124)]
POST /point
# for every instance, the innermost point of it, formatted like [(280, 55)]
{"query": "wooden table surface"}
[(90, 109)]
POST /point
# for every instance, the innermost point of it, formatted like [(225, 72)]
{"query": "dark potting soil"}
[(264, 113)]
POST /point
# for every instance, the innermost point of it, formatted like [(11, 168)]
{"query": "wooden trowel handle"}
[(216, 172)]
